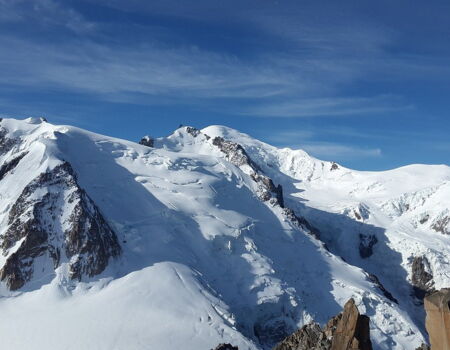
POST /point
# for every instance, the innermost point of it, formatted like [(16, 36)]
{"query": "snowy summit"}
[(205, 237)]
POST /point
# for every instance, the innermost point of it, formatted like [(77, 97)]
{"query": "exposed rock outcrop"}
[(310, 336), (6, 143), (301, 222), (366, 244), (421, 276), (374, 279), (267, 191), (235, 153), (437, 306), (225, 347), (347, 331), (442, 225), (9, 166), (352, 330), (38, 225), (194, 131), (334, 166), (147, 141)]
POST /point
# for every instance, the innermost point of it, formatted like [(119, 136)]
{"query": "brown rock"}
[(309, 337), (352, 331), (347, 331), (437, 306)]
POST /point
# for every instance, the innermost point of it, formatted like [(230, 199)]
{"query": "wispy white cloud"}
[(291, 137), (330, 150), (304, 80), (315, 66), (43, 13), (308, 140), (180, 72), (333, 106), (153, 74)]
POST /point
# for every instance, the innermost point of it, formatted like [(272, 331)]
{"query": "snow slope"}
[(407, 210), (209, 252)]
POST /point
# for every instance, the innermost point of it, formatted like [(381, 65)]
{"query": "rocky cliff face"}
[(236, 155), (38, 226), (437, 306), (6, 143), (352, 330), (348, 330), (422, 277)]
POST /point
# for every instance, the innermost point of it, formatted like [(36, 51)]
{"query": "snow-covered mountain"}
[(208, 236)]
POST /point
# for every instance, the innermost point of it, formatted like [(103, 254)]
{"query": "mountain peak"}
[(222, 237)]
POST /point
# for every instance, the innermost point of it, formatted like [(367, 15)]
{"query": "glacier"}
[(209, 236)]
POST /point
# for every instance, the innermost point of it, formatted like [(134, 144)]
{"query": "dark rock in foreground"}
[(348, 330), (310, 336), (352, 331)]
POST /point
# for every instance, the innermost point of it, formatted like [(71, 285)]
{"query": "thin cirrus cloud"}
[(152, 70), (46, 13), (177, 74), (180, 73), (304, 139), (328, 150), (333, 106), (314, 60), (286, 63)]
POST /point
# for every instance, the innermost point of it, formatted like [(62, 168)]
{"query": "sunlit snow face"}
[(210, 258)]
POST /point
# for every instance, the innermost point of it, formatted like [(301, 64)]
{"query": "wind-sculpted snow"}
[(217, 244)]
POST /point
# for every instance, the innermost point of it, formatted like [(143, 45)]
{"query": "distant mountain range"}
[(205, 237)]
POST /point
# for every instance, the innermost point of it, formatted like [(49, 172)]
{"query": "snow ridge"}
[(207, 234)]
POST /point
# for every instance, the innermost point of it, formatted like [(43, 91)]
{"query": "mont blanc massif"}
[(206, 237)]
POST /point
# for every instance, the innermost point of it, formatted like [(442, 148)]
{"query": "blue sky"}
[(364, 83)]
